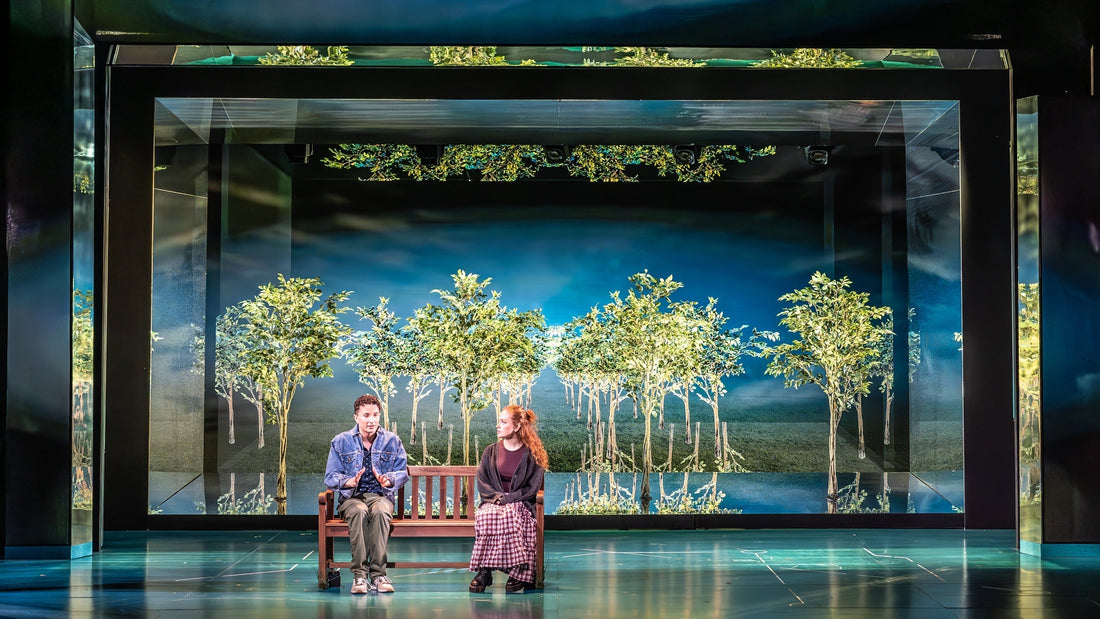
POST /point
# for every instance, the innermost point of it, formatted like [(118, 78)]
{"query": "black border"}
[(988, 242)]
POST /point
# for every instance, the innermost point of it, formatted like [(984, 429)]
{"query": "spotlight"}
[(429, 154), (298, 153), (556, 153), (817, 155), (685, 154)]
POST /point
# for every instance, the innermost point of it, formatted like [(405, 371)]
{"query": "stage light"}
[(817, 155), (685, 154), (429, 154), (298, 153), (556, 153)]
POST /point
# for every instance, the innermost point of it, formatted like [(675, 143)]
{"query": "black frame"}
[(987, 121)]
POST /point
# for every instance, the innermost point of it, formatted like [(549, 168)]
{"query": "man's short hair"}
[(365, 400)]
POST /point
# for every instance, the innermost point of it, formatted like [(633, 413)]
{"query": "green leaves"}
[(306, 55), (291, 333), (809, 58), (513, 162), (838, 332)]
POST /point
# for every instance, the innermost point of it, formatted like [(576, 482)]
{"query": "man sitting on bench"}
[(367, 495)]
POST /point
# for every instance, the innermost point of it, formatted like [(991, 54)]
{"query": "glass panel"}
[(1027, 320), (874, 210), (83, 269), (933, 367)]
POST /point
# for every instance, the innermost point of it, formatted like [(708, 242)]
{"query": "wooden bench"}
[(430, 516)]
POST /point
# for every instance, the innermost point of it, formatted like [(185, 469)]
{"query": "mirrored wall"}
[(83, 291), (734, 217)]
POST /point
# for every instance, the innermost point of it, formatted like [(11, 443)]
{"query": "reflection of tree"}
[(376, 353), (721, 357), (477, 341), (513, 162), (809, 58), (83, 367), (306, 55), (882, 367), (647, 347), (1029, 387), (288, 340), (253, 502), (653, 336), (838, 331)]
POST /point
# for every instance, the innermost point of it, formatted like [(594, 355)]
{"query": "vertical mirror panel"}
[(696, 252), (181, 179), (1029, 357), (83, 281), (931, 332)]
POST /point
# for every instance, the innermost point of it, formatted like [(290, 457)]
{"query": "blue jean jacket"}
[(345, 458)]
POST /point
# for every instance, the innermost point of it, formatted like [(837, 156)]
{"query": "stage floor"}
[(733, 573)]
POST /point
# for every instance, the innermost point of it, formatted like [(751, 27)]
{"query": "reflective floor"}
[(758, 573)]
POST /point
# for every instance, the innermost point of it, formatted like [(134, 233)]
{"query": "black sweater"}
[(526, 482)]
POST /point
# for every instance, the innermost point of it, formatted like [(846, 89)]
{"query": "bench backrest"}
[(438, 493)]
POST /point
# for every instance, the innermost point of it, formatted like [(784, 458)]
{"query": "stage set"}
[(807, 309)]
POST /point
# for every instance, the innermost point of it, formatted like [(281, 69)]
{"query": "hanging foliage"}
[(306, 55), (809, 58)]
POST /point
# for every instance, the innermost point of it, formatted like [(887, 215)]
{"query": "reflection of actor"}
[(509, 478), (366, 497)]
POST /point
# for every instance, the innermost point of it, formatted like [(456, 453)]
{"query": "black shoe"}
[(483, 579), (517, 586)]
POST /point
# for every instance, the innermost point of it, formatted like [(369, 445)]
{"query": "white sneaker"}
[(381, 584), (360, 585)]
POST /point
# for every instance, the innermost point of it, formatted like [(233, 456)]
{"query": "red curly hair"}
[(525, 422)]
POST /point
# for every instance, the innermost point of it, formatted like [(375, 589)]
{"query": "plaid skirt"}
[(504, 539)]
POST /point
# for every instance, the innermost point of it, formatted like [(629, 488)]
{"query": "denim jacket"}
[(345, 458)]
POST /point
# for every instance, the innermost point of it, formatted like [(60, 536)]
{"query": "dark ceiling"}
[(1050, 41)]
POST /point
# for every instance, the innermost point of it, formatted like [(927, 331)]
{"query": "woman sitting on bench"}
[(509, 477)]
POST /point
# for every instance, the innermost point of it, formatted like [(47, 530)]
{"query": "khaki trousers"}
[(368, 521)]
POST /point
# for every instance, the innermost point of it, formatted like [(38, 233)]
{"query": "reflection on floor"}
[(735, 573)]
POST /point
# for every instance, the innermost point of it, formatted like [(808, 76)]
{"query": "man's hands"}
[(382, 479), (354, 481)]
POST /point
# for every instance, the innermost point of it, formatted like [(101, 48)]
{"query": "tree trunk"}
[(647, 463), (280, 484), (260, 417), (232, 431), (415, 403), (385, 407), (886, 428), (831, 493), (442, 391), (465, 424), (687, 417), (717, 441), (859, 418)]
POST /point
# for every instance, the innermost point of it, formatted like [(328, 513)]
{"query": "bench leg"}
[(332, 579)]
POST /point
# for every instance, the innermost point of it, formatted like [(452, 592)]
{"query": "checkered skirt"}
[(504, 539)]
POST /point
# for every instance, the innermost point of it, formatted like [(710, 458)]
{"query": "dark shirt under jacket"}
[(526, 481), (368, 483)]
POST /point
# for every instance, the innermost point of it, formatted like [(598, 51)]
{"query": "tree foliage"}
[(809, 58), (291, 334), (468, 56), (307, 55), (513, 162), (837, 331), (476, 340)]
